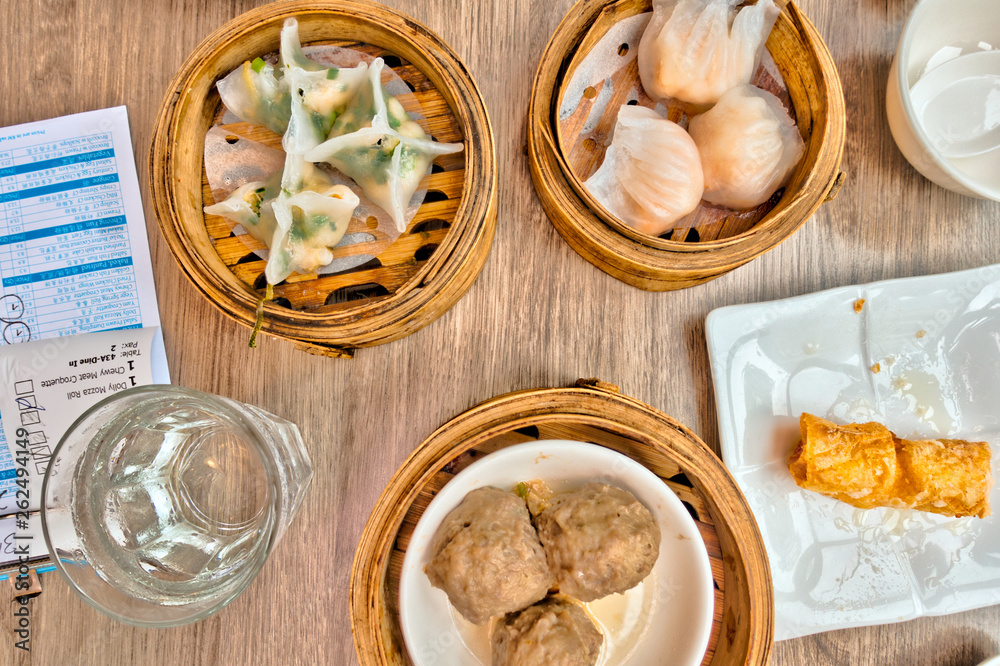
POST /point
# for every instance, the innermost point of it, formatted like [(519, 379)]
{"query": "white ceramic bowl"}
[(666, 619), (932, 25)]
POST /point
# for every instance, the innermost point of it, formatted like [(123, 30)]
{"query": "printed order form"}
[(74, 256)]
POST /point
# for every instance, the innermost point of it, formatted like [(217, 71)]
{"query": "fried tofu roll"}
[(866, 465)]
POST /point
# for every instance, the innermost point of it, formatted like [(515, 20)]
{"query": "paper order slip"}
[(74, 257)]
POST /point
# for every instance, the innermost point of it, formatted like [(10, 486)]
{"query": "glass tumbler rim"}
[(218, 403)]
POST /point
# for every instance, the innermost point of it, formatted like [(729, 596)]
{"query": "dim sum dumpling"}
[(258, 94), (376, 143), (313, 218), (695, 50), (651, 175), (749, 147), (243, 207), (311, 215), (318, 93)]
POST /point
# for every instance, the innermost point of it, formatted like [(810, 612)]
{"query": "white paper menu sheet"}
[(74, 255)]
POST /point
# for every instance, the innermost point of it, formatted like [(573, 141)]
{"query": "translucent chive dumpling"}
[(317, 215), (261, 94), (318, 93), (375, 142)]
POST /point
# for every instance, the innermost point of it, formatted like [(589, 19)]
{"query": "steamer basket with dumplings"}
[(407, 284), (566, 143), (595, 412)]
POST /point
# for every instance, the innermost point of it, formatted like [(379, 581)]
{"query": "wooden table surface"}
[(538, 316)]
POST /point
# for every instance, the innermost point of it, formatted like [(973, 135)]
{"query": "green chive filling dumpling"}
[(257, 94), (375, 142), (318, 93), (243, 207), (299, 227), (311, 216)]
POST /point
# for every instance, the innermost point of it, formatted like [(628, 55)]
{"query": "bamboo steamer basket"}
[(592, 411), (422, 274), (718, 243)]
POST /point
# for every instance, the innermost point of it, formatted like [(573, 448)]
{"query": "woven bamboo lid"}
[(594, 412), (422, 274), (561, 157)]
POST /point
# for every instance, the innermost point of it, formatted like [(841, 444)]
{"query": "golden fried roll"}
[(866, 465)]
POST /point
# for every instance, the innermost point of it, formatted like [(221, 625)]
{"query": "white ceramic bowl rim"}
[(592, 462), (902, 67)]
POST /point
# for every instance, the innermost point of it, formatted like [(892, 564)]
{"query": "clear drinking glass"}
[(162, 503)]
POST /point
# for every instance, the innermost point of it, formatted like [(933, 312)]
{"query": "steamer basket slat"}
[(412, 280), (592, 412), (560, 157)]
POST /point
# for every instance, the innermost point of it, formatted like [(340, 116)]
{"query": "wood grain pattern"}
[(538, 316)]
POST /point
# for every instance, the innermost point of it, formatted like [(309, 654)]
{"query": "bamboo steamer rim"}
[(647, 261), (436, 286), (588, 404)]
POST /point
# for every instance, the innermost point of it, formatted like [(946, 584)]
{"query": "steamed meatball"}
[(599, 540), (554, 632), (487, 558)]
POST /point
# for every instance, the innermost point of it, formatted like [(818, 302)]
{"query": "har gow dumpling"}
[(695, 50), (651, 176), (749, 147)]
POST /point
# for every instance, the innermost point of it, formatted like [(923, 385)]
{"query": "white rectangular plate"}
[(923, 357)]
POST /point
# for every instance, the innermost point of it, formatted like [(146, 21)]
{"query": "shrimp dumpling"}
[(651, 175), (696, 50), (749, 147)]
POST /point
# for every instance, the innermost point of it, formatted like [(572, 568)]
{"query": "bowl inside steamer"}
[(682, 258), (592, 411), (420, 287), (676, 598)]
